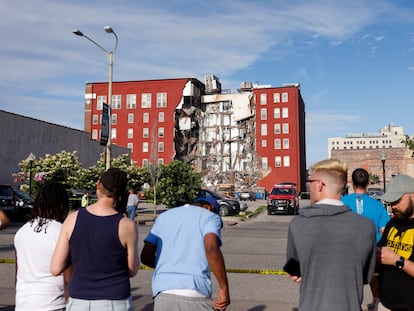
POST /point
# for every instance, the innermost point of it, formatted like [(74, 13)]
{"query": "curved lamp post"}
[(110, 55), (383, 158), (30, 158)]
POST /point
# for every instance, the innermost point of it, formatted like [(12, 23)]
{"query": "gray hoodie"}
[(336, 251)]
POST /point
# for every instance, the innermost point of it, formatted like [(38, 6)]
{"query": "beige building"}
[(390, 136), (368, 151)]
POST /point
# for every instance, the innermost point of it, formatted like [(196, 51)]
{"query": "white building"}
[(391, 136)]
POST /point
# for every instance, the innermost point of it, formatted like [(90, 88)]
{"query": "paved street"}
[(255, 244)]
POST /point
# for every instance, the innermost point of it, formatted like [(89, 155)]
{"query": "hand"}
[(222, 301), (388, 256), (295, 278)]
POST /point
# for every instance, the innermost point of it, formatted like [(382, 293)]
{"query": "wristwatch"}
[(400, 263)]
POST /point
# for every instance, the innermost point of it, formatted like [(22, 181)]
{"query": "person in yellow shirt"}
[(85, 199)]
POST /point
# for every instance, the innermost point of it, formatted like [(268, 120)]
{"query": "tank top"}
[(99, 259)]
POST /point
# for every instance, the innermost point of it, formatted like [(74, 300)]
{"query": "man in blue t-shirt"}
[(360, 202), (183, 246)]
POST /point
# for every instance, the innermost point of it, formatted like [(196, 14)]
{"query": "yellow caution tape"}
[(256, 271), (250, 271), (143, 267)]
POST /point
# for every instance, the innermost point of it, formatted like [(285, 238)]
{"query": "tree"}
[(409, 143), (373, 178), (137, 176), (63, 167), (178, 184)]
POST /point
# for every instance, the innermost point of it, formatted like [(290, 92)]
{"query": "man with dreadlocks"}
[(35, 241)]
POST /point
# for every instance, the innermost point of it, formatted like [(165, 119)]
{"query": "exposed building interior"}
[(215, 133)]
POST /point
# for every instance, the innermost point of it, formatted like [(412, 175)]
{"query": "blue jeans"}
[(99, 305), (131, 210)]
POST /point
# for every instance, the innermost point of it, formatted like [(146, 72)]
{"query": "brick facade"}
[(398, 161)]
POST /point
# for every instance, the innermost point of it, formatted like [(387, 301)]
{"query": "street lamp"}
[(30, 158), (110, 55), (383, 158)]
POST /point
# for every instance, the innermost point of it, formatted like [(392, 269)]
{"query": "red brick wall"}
[(398, 161)]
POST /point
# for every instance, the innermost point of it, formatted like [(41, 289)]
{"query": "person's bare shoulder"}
[(127, 227)]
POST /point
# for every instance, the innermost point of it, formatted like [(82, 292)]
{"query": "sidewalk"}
[(145, 303)]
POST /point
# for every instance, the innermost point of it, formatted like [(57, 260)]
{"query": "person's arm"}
[(129, 236), (389, 257), (216, 262), (148, 254), (60, 260), (4, 220), (67, 274)]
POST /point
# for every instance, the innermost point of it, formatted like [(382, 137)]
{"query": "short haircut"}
[(360, 178), (335, 170)]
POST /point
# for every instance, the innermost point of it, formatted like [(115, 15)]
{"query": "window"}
[(276, 113), (95, 119), (94, 134), (277, 143), (100, 101), (160, 132), (263, 114), (146, 100), (286, 143), (285, 113), (160, 146), (264, 143), (130, 133), (145, 132), (276, 97), (161, 100), (144, 162), (278, 161), (114, 118), (276, 127), (227, 107), (113, 133), (131, 101), (265, 164), (130, 118), (116, 102), (286, 161), (145, 117), (145, 147), (264, 129), (160, 161), (285, 128), (160, 116), (285, 97), (263, 99), (130, 146)]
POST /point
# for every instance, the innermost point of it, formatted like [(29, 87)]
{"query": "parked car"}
[(23, 199), (15, 203), (375, 192), (283, 198), (247, 195), (228, 205), (7, 201)]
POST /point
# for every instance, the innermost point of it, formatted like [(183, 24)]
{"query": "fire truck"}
[(284, 198)]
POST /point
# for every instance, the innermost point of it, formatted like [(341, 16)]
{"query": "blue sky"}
[(353, 59)]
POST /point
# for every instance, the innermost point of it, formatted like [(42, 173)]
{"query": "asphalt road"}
[(256, 244)]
